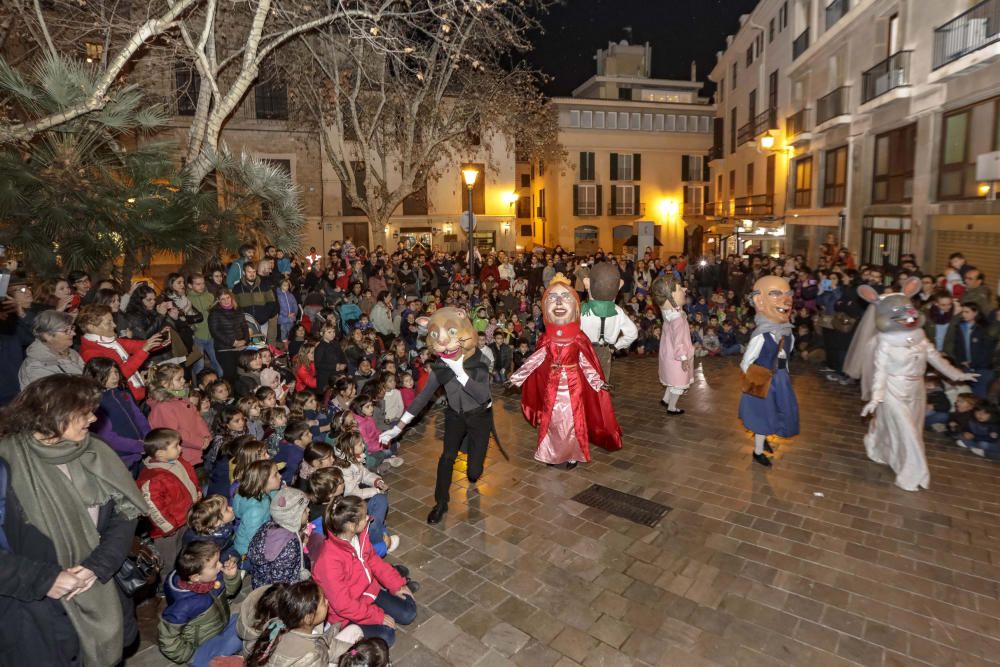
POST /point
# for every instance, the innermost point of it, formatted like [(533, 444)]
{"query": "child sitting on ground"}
[(292, 449), (983, 436), (275, 424), (250, 407), (196, 625), (275, 553), (938, 407), (317, 456), (252, 503), (958, 420), (170, 487), (212, 519), (360, 481), (373, 652), (363, 409)]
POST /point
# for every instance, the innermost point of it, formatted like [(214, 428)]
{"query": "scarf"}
[(598, 308), (199, 587), (763, 326), (111, 343), (58, 507)]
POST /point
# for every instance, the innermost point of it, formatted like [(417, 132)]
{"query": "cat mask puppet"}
[(450, 333)]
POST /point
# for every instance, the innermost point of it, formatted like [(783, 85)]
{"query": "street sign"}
[(464, 222)]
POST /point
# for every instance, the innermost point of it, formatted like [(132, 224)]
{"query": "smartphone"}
[(4, 284)]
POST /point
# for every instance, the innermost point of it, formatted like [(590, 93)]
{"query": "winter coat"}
[(142, 323), (256, 300), (246, 383), (40, 361), (227, 326), (203, 303), (351, 577), (384, 321), (288, 308), (327, 357), (15, 336), (136, 358), (369, 433), (275, 555), (355, 475), (291, 455), (121, 424), (180, 415), (190, 619), (252, 513), (36, 629), (305, 377), (170, 489)]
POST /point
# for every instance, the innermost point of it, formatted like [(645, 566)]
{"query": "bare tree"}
[(430, 87)]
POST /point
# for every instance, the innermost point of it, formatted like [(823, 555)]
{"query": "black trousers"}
[(457, 425)]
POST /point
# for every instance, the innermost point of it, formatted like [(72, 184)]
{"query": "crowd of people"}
[(235, 418)]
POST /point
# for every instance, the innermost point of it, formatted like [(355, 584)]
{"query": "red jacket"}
[(136, 358), (180, 415), (305, 377), (169, 489), (351, 583)]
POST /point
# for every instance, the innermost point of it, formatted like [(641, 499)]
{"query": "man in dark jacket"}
[(255, 299)]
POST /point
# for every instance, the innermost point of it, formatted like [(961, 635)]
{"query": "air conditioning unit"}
[(988, 167)]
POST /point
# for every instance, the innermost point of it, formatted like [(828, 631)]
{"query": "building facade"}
[(889, 105), (637, 150)]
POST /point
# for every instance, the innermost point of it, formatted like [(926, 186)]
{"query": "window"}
[(658, 122), (360, 191), (599, 120), (752, 106), (612, 120), (705, 124), (415, 203), (894, 155), (835, 177), (694, 168), (783, 15), (587, 119), (541, 204), (884, 240), (772, 92), (525, 180), (647, 122), (803, 182), (694, 200), (271, 100), (93, 51), (692, 123), (624, 200), (732, 183), (523, 207), (586, 166), (574, 118), (750, 55), (966, 134), (682, 123), (721, 91), (626, 167), (586, 199), (478, 190), (622, 120), (541, 168), (670, 124), (750, 183), (770, 31), (526, 230), (771, 174), (759, 43), (624, 93), (187, 84), (732, 77)]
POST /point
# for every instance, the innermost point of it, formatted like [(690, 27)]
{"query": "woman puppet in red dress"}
[(564, 393)]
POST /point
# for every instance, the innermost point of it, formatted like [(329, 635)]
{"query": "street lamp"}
[(470, 174)]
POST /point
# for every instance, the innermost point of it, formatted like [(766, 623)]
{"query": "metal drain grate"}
[(625, 505)]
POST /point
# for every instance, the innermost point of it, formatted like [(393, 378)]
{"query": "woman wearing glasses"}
[(52, 351)]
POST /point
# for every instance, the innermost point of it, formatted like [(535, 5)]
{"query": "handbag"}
[(757, 381), (141, 567)]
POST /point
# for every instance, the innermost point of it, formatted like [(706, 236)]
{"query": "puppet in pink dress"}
[(564, 393), (676, 349)]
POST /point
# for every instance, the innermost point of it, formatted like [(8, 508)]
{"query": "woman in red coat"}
[(97, 323), (360, 587)]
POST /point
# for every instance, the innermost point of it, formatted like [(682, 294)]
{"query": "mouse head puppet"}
[(895, 312), (772, 298), (668, 292), (560, 302), (450, 333)]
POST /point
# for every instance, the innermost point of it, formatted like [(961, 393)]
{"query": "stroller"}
[(349, 314)]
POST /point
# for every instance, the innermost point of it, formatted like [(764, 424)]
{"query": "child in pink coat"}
[(363, 408), (676, 349)]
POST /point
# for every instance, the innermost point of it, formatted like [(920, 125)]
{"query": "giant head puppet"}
[(772, 298), (604, 281), (668, 292), (560, 303), (450, 333), (895, 312)]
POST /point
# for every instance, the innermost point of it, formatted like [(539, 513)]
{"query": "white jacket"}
[(354, 476)]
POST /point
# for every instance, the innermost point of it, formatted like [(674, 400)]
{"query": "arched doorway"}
[(585, 240)]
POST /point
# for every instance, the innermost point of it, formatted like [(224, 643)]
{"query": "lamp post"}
[(470, 174)]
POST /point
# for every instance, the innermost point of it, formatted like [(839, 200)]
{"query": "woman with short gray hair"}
[(52, 350)]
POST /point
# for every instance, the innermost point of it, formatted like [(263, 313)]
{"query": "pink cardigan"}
[(369, 433), (180, 415)]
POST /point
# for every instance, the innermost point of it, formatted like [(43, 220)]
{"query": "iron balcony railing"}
[(833, 104), (761, 123), (715, 153), (891, 73), (970, 31), (744, 134), (836, 11), (714, 208), (627, 208), (797, 123), (752, 205), (800, 44), (694, 208)]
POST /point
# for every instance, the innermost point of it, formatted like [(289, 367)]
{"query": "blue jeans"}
[(982, 385), (378, 508), (731, 350), (225, 643), (403, 611), (208, 347), (933, 417)]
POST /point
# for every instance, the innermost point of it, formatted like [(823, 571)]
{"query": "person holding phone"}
[(230, 333), (97, 323)]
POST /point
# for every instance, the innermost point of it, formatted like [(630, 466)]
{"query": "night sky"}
[(678, 30)]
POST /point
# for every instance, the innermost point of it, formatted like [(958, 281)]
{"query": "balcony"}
[(715, 153), (694, 209), (891, 73), (797, 126), (833, 104), (800, 44), (975, 29), (762, 122), (836, 11), (753, 205), (626, 208), (714, 208)]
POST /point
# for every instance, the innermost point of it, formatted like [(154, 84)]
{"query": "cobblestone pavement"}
[(818, 561)]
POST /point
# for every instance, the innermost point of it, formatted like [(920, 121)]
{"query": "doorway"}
[(357, 232)]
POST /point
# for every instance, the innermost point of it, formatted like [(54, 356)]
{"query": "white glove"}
[(870, 408), (968, 377), (456, 367), (390, 435)]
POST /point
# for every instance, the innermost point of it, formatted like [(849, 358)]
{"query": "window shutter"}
[(636, 208), (614, 199), (687, 192), (614, 166), (583, 166), (576, 199), (600, 201), (637, 167), (881, 39), (685, 168), (706, 172)]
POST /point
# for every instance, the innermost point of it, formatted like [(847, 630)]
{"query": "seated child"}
[(728, 341), (360, 481), (938, 406), (710, 342), (195, 625), (275, 423), (292, 449), (363, 409), (318, 455), (250, 407), (170, 487), (325, 485), (252, 502), (372, 652), (361, 587), (392, 398), (983, 436), (958, 420), (212, 519), (407, 390), (275, 553)]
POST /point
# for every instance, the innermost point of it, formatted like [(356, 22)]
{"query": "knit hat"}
[(287, 507)]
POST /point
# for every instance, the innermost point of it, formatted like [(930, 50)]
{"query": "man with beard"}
[(564, 391)]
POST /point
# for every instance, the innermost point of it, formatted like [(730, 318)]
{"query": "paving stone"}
[(505, 638)]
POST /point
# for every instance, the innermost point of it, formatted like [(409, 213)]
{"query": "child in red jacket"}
[(170, 487), (360, 587), (305, 368)]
